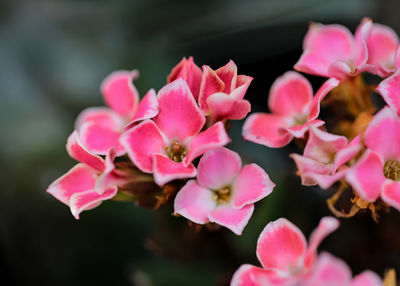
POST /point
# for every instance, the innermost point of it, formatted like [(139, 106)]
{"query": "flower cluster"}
[(362, 152), (287, 260), (158, 137), (169, 146)]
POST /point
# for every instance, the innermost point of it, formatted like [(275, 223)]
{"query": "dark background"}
[(53, 57)]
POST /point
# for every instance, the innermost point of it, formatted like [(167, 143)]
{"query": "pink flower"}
[(324, 157), (332, 51), (286, 259), (383, 50), (167, 146), (88, 183), (222, 92), (293, 108), (190, 72), (224, 192), (283, 253), (377, 173), (100, 127)]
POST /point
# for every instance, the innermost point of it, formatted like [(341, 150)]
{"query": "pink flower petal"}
[(251, 185), (89, 199), (234, 219), (366, 176), (194, 202), (383, 134), (390, 90), (391, 194), (210, 84), (299, 131), (210, 138), (320, 95), (77, 151), (141, 142), (281, 246), (99, 139), (361, 52), (110, 177), (218, 167), (242, 84), (308, 168), (120, 93), (323, 146), (147, 108), (79, 179), (290, 95), (102, 116), (341, 69), (228, 74), (324, 45), (397, 58), (326, 226), (329, 271), (190, 72), (367, 278), (382, 45), (222, 106), (244, 276), (346, 154), (249, 275), (179, 116), (265, 129), (326, 181), (166, 170)]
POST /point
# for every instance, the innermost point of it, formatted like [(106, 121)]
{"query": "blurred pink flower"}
[(294, 110), (377, 173), (389, 88), (167, 146), (383, 50), (100, 127), (332, 51), (324, 157), (287, 260), (224, 192)]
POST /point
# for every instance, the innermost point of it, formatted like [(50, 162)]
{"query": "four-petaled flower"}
[(332, 51), (167, 146), (224, 192), (286, 259), (294, 110), (222, 92), (324, 157)]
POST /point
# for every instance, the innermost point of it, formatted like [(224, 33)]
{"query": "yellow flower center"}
[(176, 151), (223, 195), (391, 170)]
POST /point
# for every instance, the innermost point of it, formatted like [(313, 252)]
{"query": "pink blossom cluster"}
[(286, 259), (177, 137), (369, 161), (161, 135)]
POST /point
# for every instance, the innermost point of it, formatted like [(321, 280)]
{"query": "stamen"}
[(222, 196), (176, 151), (391, 170)]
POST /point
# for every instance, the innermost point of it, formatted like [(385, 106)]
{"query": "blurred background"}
[(53, 57)]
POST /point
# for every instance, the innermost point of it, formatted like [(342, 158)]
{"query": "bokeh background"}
[(53, 57)]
